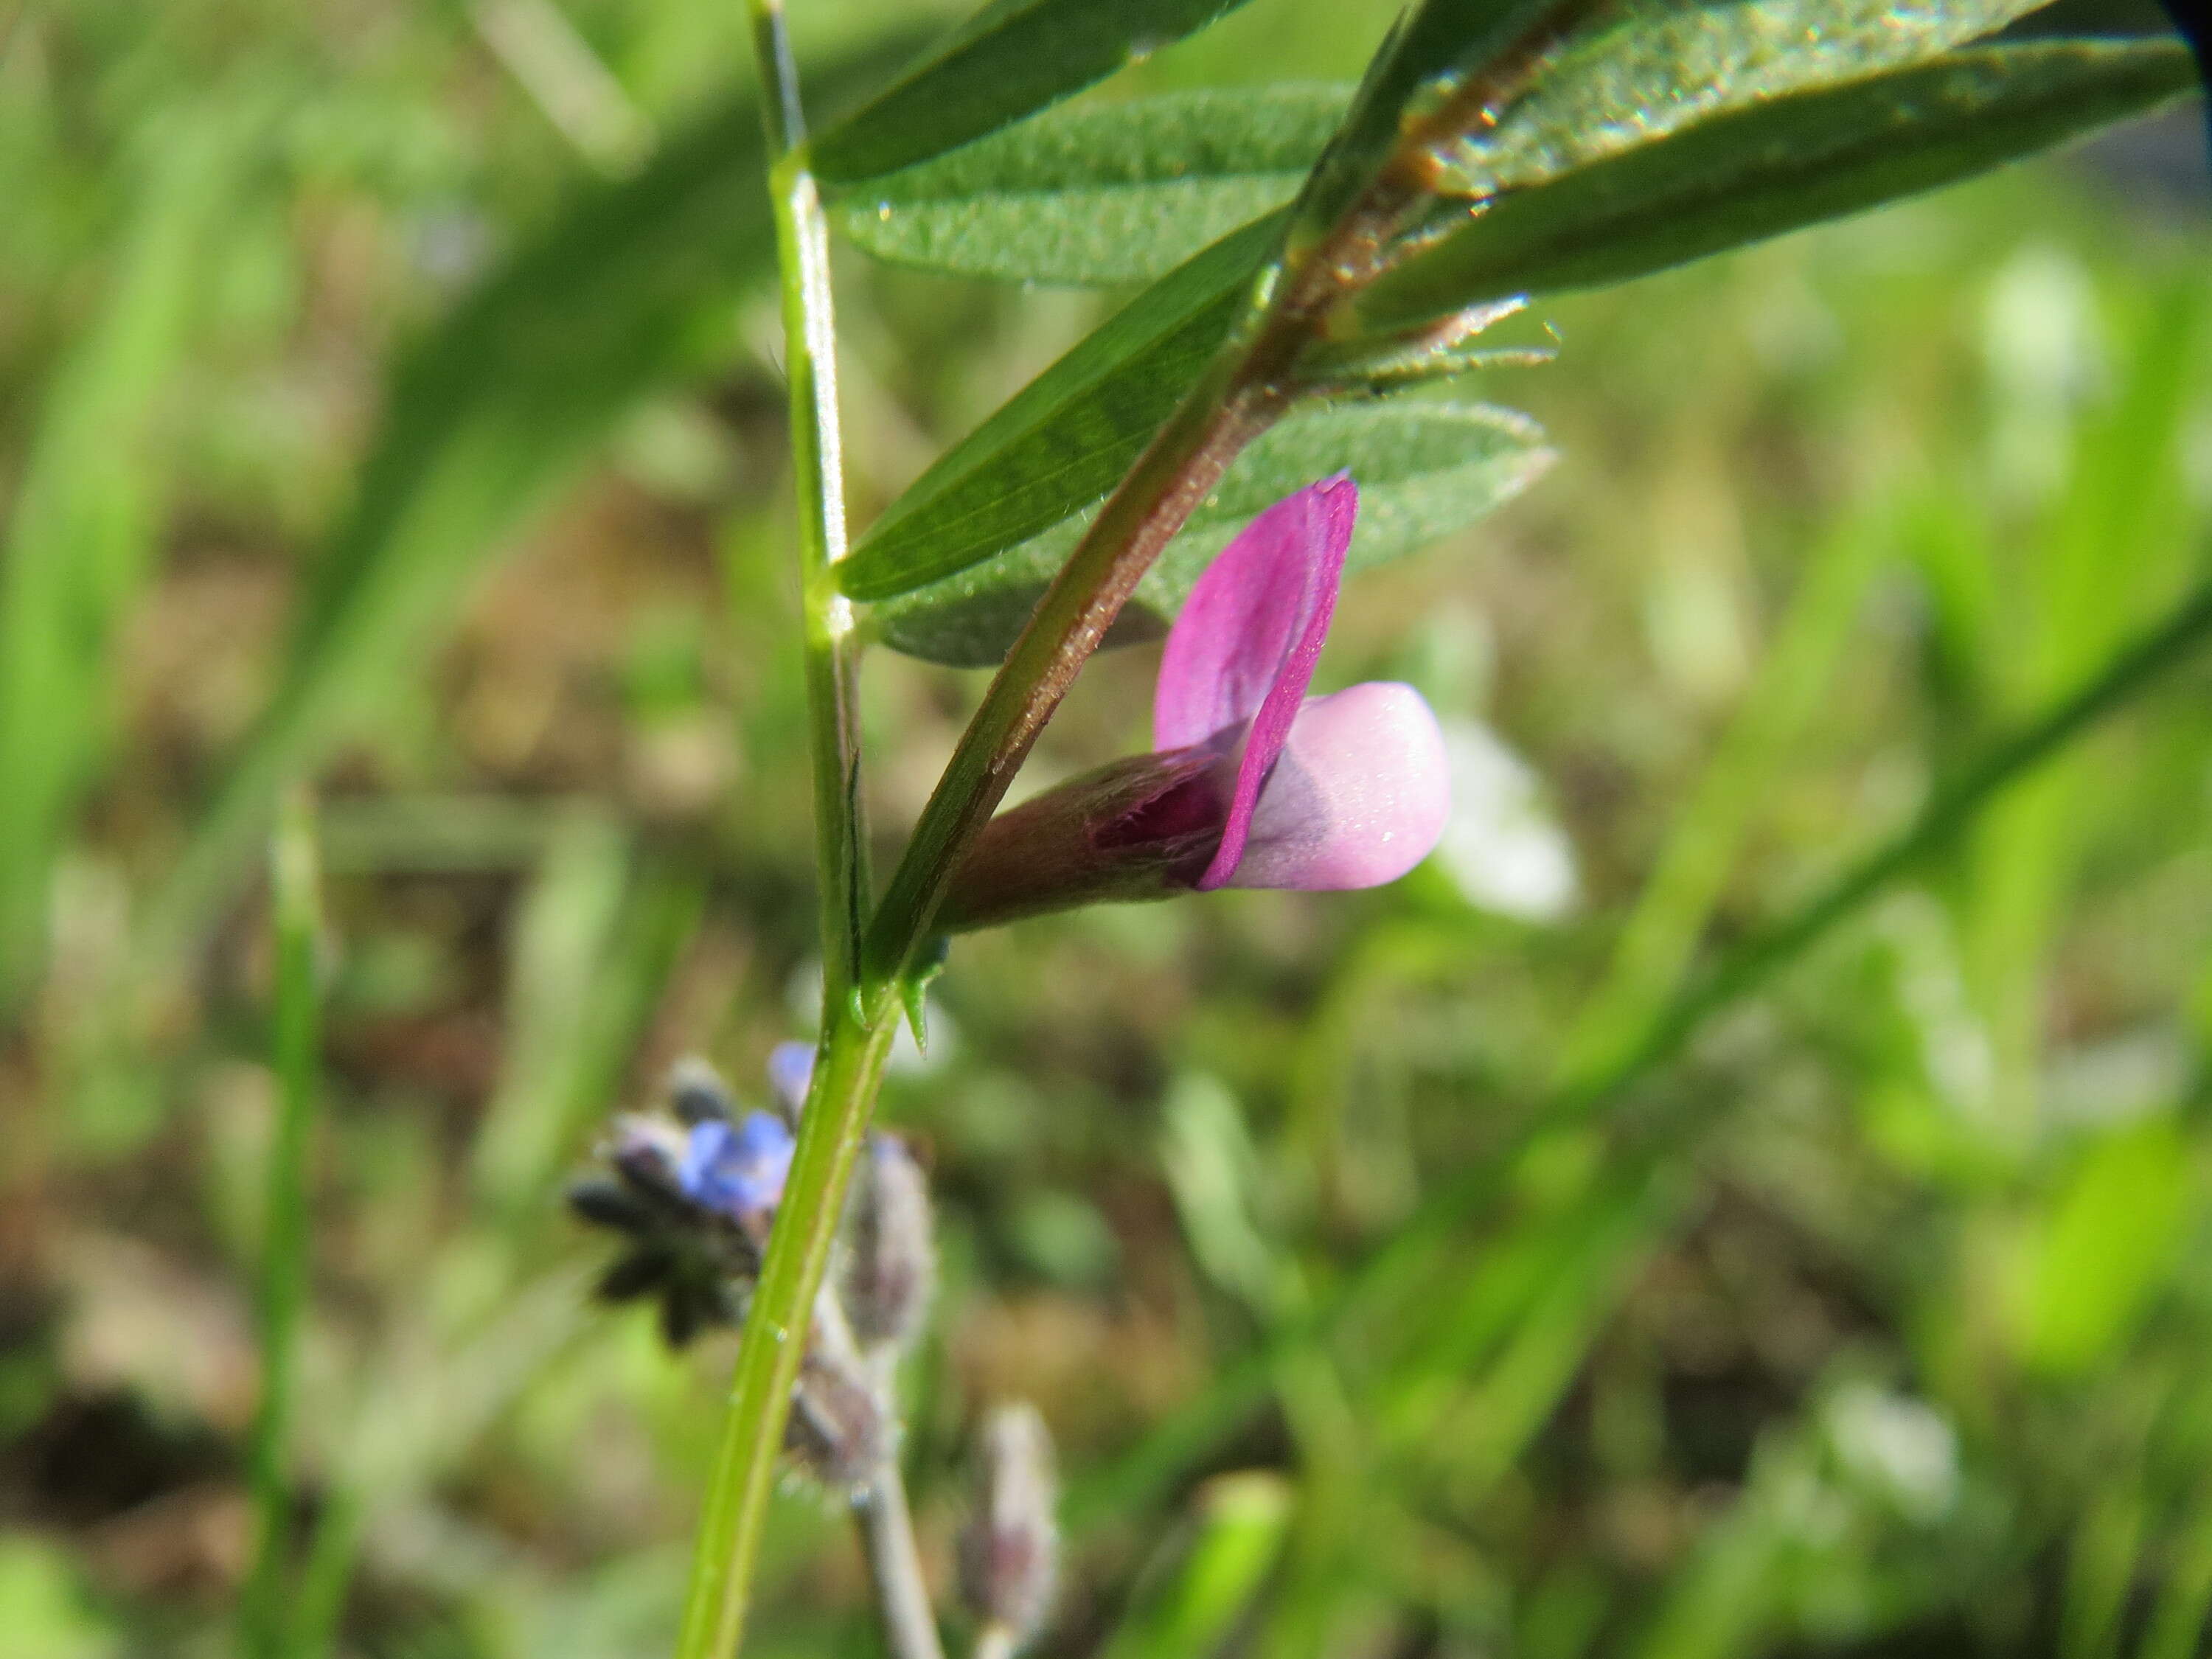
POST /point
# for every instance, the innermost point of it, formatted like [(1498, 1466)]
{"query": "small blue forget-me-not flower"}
[(736, 1169)]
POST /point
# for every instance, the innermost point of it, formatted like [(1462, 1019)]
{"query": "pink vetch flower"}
[(1254, 784)]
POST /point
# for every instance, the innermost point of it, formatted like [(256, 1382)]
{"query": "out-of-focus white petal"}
[(1500, 847)]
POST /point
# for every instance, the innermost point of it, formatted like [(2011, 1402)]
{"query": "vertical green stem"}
[(284, 1231), (846, 1076), (832, 646), (857, 1024)]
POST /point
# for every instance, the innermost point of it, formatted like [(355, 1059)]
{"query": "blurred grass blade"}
[(1720, 1603), (1064, 440), (1243, 1522), (595, 950), (1213, 1173), (1424, 469), (447, 834), (1572, 1253), (487, 418), (420, 1412), (87, 510), (2184, 1601), (564, 928), (297, 903), (326, 1575), (1949, 812), (1677, 901), (1778, 167), (591, 966), (2104, 1566), (1120, 193), (1476, 1421), (2068, 602), (1011, 59), (552, 62), (2111, 1238)]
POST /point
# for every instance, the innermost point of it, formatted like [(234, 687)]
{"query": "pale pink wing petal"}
[(1359, 798), (1242, 652)]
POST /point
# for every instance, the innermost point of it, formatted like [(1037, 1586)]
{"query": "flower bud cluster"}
[(694, 1193)]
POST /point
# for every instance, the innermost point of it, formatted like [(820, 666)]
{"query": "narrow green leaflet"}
[(1650, 67), (1011, 59), (1059, 445), (1779, 167), (1425, 470), (1624, 73), (1123, 192), (487, 417), (1099, 193)]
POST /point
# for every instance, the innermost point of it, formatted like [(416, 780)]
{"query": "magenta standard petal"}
[(1242, 652), (1263, 603), (1359, 798)]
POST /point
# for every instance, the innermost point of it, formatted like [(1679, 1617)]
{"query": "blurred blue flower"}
[(737, 1169)]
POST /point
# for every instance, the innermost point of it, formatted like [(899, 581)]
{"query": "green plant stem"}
[(846, 1072), (1947, 814), (832, 646), (857, 1028), (284, 1230)]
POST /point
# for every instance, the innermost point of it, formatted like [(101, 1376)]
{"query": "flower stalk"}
[(831, 644)]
